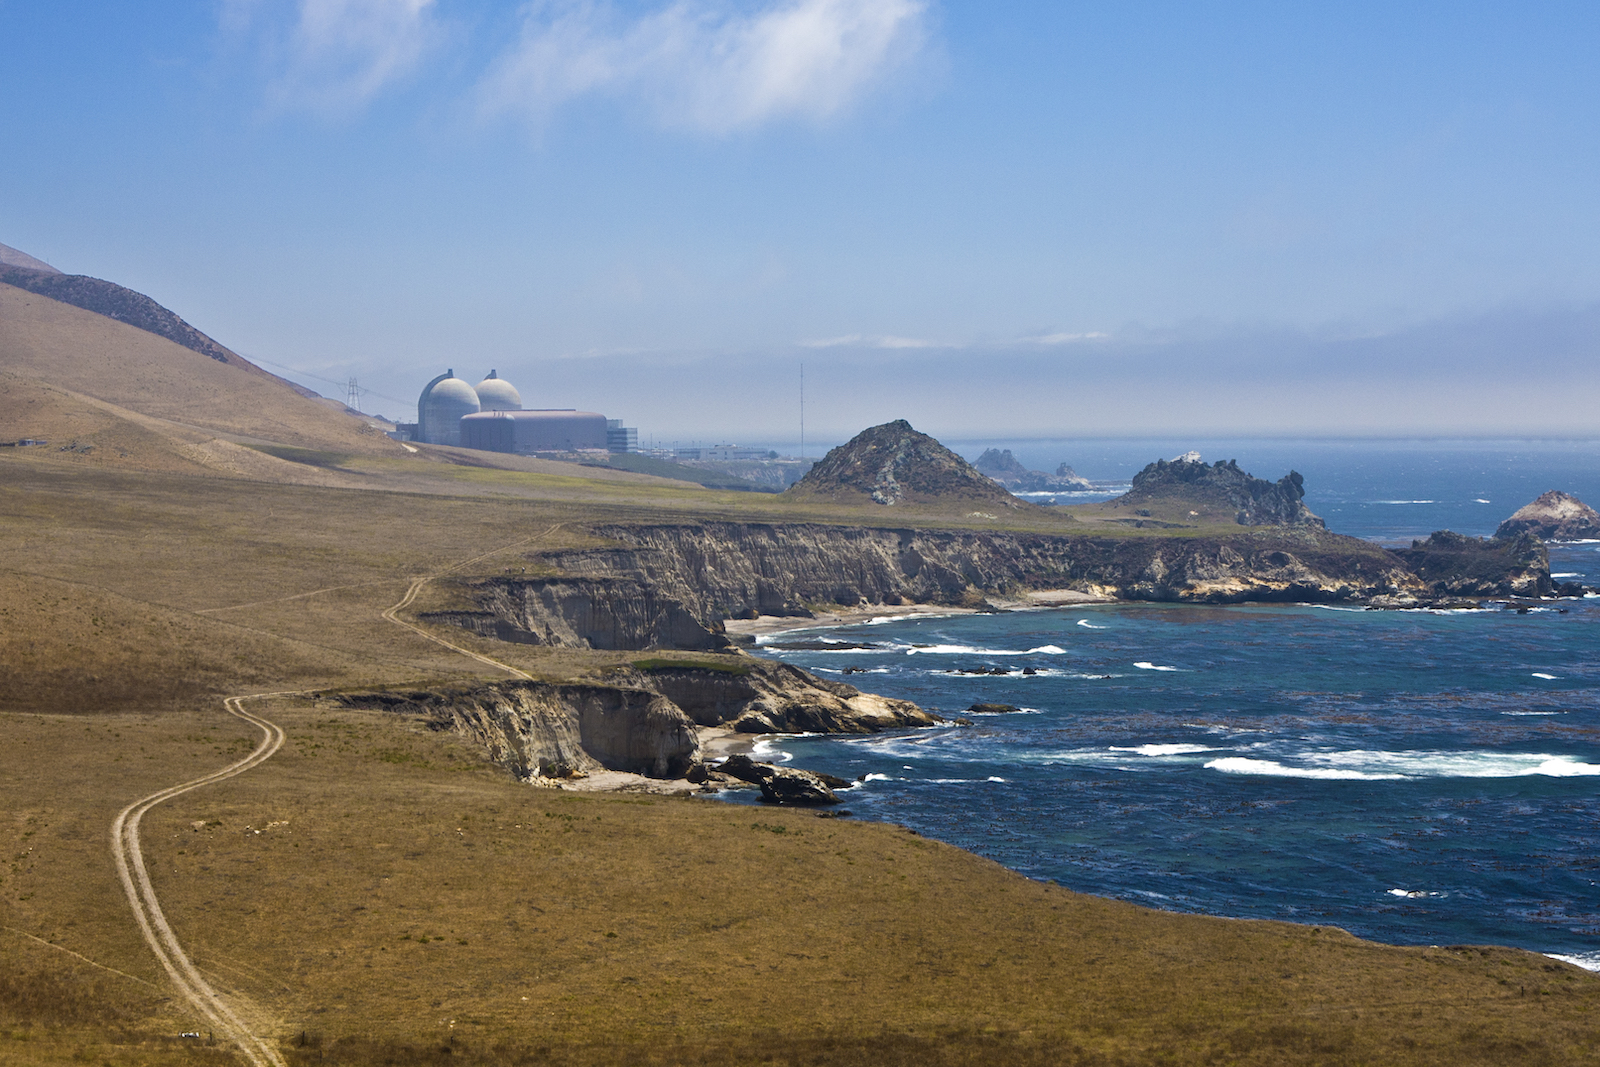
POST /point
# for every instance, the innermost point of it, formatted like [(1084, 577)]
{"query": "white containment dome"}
[(497, 394), (440, 408)]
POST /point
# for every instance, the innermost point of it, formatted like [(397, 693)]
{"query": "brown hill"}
[(892, 465), (117, 393)]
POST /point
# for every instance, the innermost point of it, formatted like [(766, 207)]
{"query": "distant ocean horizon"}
[(1416, 777)]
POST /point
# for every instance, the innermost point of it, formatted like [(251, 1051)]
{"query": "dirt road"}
[(147, 909)]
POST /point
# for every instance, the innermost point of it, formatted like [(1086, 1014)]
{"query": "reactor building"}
[(490, 417)]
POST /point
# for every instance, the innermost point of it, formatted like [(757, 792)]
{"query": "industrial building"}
[(489, 416)]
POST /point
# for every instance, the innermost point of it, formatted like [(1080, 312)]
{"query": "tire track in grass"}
[(153, 924), (135, 876)]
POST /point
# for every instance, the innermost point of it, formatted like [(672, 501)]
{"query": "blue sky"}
[(995, 219)]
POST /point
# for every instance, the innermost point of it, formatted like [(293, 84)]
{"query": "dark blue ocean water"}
[(1414, 777)]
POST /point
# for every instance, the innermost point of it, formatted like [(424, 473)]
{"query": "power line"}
[(320, 378)]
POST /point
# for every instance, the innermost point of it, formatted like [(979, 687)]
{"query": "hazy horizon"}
[(1033, 221)]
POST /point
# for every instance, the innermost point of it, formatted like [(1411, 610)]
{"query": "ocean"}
[(1414, 777)]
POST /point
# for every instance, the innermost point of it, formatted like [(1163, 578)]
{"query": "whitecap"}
[(1359, 764), (1146, 665), (1179, 749), (1405, 501), (1589, 961), (1529, 713), (1274, 769), (876, 777), (973, 650), (1567, 574), (1480, 500), (1546, 677), (994, 778), (1092, 626), (1410, 893)]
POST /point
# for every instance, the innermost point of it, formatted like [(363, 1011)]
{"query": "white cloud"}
[(705, 65), (335, 55), (856, 340)]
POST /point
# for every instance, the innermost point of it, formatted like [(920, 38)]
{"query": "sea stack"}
[(1555, 516)]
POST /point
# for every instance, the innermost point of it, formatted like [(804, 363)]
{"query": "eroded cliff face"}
[(642, 721), (1456, 565), (535, 728), (723, 570), (588, 612), (672, 586)]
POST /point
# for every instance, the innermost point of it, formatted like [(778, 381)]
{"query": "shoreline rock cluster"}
[(646, 721)]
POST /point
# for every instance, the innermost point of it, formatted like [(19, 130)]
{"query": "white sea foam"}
[(973, 650), (1546, 677), (1528, 713), (1092, 626), (994, 778), (1146, 665), (1412, 894), (1405, 501), (876, 777), (1568, 574), (1274, 769), (767, 750), (1480, 500), (1589, 961), (1164, 750), (1376, 766)]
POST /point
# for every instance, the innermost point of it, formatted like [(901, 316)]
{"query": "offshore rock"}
[(1223, 487), (892, 465), (1002, 467), (790, 785), (1453, 564), (1555, 516)]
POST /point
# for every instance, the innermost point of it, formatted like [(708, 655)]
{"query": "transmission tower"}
[(354, 402)]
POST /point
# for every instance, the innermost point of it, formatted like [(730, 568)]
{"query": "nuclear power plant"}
[(490, 417)]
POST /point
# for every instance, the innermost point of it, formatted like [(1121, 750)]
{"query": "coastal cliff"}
[(640, 720)]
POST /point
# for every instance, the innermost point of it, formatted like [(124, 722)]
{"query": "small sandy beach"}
[(1037, 600)]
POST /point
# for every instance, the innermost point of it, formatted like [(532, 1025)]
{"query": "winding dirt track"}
[(136, 878), (147, 910)]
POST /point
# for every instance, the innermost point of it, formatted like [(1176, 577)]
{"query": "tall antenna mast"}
[(802, 411)]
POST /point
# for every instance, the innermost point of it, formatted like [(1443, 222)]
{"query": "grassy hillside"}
[(94, 356), (401, 884)]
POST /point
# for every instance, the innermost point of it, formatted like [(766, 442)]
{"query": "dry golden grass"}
[(98, 357), (379, 889), (740, 935)]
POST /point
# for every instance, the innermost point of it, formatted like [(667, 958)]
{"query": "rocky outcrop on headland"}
[(642, 720), (1555, 516), (892, 465), (1002, 467), (765, 697), (1222, 486), (1454, 565)]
